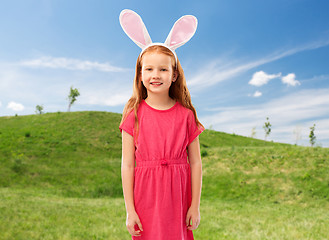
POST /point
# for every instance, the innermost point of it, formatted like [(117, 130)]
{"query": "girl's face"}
[(157, 72)]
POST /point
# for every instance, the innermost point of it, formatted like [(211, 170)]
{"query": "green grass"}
[(60, 179), (71, 154), (262, 220), (28, 214), (277, 173)]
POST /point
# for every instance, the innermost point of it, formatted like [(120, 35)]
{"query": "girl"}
[(160, 132)]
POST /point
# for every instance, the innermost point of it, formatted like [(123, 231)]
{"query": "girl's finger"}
[(134, 233), (137, 233), (140, 225), (197, 224), (187, 221), (194, 225), (131, 230), (137, 228), (190, 227)]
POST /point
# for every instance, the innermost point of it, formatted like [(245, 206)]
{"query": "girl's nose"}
[(155, 74)]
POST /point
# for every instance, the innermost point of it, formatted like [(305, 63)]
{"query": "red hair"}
[(177, 91)]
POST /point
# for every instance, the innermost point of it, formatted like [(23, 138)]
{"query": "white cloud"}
[(260, 78), (302, 108), (290, 80), (70, 64), (43, 86), (258, 94), (0, 104), (109, 96), (15, 106), (217, 71)]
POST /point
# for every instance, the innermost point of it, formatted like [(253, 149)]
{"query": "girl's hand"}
[(193, 214), (132, 220)]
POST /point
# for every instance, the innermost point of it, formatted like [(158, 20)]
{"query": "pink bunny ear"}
[(134, 27), (182, 31)]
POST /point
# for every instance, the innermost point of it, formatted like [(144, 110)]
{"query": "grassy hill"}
[(71, 154), (61, 157), (78, 154)]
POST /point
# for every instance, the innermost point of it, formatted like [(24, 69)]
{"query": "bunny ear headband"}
[(182, 31)]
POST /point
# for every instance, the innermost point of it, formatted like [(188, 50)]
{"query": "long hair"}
[(177, 91)]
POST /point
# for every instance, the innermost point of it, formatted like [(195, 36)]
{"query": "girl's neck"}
[(160, 102)]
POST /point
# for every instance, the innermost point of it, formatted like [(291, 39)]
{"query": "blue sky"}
[(247, 61)]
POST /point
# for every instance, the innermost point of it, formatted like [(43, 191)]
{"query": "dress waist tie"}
[(161, 162)]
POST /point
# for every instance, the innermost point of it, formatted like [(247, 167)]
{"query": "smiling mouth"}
[(156, 83)]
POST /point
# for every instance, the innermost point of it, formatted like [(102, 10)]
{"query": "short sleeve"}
[(194, 129), (128, 123)]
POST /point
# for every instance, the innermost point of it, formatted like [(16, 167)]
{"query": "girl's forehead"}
[(154, 58)]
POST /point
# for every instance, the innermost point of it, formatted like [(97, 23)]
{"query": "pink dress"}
[(162, 181)]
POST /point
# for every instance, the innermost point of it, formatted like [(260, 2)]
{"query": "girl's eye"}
[(148, 69), (163, 69)]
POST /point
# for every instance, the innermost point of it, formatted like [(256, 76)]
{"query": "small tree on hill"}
[(267, 128), (312, 135), (74, 93), (39, 109)]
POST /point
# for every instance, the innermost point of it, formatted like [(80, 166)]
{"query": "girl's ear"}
[(182, 31), (134, 27), (175, 76)]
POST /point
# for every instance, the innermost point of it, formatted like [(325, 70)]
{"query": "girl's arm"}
[(127, 174), (196, 178)]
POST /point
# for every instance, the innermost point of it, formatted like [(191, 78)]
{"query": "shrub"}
[(204, 153)]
